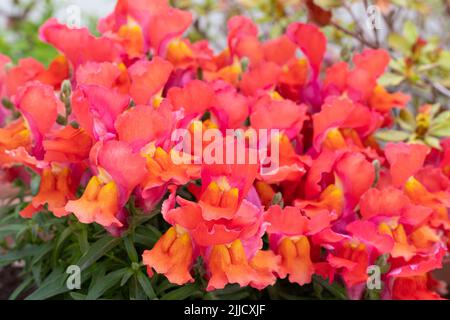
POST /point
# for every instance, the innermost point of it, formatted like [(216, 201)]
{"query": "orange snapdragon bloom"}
[(67, 145), (40, 107), (119, 171), (338, 114), (172, 256), (132, 38), (351, 260), (29, 69), (99, 203), (162, 170), (383, 101), (55, 190), (288, 229), (148, 78), (405, 160), (331, 199), (105, 74), (14, 135), (180, 53), (228, 263), (438, 201), (296, 261), (78, 45)]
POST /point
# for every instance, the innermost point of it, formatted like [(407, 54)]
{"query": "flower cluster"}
[(97, 124)]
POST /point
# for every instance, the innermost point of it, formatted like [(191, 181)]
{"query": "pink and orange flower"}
[(337, 202)]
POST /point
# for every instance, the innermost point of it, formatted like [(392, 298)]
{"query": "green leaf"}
[(154, 231), (53, 285), (240, 295), (392, 135), (136, 291), (318, 289), (131, 251), (398, 65), (442, 130), (181, 293), (36, 271), (443, 117), (231, 290), (406, 120), (373, 294), (126, 277), (59, 241), (27, 251), (146, 235), (165, 285), (441, 125), (334, 288), (434, 109), (244, 63), (399, 43), (147, 240), (376, 165), (98, 273), (444, 60), (8, 104), (83, 239), (43, 250), (34, 184), (287, 296), (278, 200), (383, 263), (77, 296), (97, 250), (328, 4), (11, 229), (410, 32), (146, 285), (390, 79), (22, 287), (107, 282), (433, 142)]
